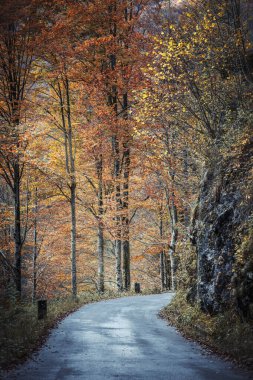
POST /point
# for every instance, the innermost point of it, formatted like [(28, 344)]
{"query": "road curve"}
[(122, 339)]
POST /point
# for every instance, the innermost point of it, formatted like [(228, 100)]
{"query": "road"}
[(122, 339)]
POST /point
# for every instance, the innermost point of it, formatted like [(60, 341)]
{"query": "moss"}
[(225, 333)]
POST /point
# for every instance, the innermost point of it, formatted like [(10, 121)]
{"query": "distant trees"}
[(85, 62), (108, 114)]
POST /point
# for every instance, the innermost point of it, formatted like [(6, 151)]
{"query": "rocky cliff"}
[(222, 232)]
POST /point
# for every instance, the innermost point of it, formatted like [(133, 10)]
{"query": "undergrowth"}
[(225, 333)]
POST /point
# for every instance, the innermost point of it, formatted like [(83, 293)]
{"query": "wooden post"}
[(137, 287), (42, 309)]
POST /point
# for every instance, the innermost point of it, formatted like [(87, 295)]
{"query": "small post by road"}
[(42, 309), (137, 287)]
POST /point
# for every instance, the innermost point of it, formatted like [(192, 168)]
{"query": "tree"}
[(17, 38)]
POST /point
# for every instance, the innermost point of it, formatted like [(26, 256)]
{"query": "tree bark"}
[(166, 271), (162, 269), (112, 101), (73, 238), (126, 171), (118, 264), (125, 219), (101, 286), (126, 263), (17, 225), (171, 205), (117, 242), (35, 248), (72, 173), (173, 242), (162, 259)]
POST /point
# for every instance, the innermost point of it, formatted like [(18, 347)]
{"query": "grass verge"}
[(225, 333)]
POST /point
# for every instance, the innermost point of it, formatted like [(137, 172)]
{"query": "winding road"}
[(122, 339)]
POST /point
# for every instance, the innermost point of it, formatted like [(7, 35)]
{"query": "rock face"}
[(222, 220)]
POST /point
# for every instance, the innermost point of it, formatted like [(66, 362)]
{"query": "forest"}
[(126, 157)]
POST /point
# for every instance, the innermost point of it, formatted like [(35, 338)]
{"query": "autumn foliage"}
[(108, 112)]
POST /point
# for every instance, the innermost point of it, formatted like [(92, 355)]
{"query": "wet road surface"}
[(122, 339)]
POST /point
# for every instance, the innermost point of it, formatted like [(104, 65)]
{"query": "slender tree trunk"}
[(125, 220), (35, 248), (17, 226), (126, 263), (118, 264), (166, 271), (73, 238), (112, 101), (162, 271), (162, 268), (173, 242), (126, 170), (72, 173), (186, 179), (101, 286), (117, 243), (163, 258), (118, 210), (125, 202), (171, 205)]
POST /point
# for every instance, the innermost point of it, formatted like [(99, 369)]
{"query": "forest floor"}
[(21, 333), (225, 334)]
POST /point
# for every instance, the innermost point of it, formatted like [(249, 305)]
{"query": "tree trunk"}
[(186, 179), (162, 271), (117, 243), (118, 264), (72, 174), (171, 205), (125, 219), (126, 264), (166, 271), (35, 248), (17, 226), (162, 258), (101, 286), (112, 101), (126, 170), (73, 238), (173, 242)]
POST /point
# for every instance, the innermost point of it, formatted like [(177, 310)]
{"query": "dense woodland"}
[(126, 149)]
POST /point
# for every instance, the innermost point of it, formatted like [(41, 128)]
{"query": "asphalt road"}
[(122, 339)]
